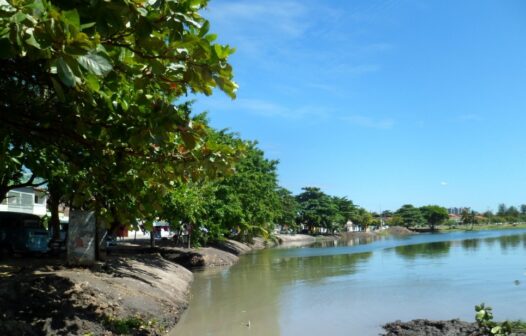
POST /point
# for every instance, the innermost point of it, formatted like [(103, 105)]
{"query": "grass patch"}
[(126, 325), (481, 227)]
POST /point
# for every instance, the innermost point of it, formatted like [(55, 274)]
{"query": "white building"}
[(26, 200), (351, 227)]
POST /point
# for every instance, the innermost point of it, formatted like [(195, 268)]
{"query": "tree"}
[(289, 208), (186, 204), (503, 209), (434, 215), (246, 202), (395, 220), (512, 214), (346, 210), (100, 83), (410, 216), (489, 216), (363, 218), (468, 217), (317, 209)]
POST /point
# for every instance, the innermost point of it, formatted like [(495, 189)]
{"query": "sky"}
[(386, 102)]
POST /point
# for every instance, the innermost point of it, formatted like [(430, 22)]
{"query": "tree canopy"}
[(99, 84), (410, 216), (434, 215)]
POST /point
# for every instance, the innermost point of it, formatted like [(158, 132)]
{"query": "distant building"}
[(27, 200), (351, 227), (458, 211)]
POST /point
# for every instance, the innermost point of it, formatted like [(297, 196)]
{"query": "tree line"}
[(95, 106)]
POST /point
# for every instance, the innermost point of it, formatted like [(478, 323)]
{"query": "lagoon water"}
[(353, 287)]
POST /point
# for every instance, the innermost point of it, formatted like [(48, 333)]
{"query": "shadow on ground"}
[(42, 304)]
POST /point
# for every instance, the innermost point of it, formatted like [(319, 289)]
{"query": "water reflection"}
[(430, 250), (346, 241), (289, 291), (255, 284), (318, 267), (470, 244), (507, 242)]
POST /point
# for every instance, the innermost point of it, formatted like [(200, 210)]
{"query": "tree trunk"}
[(3, 193), (189, 235), (55, 195), (54, 222), (152, 238)]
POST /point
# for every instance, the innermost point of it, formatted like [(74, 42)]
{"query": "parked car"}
[(22, 233), (162, 230), (58, 246)]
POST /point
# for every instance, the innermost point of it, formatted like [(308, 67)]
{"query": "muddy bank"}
[(435, 328), (141, 295), (431, 328), (398, 231)]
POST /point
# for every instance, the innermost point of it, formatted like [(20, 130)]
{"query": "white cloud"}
[(369, 122), (443, 183), (266, 108), (247, 16), (271, 109)]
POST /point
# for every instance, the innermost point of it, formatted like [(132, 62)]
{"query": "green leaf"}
[(65, 73), (72, 17), (32, 41), (204, 29), (95, 64), (219, 50), (92, 82), (87, 25), (58, 90), (189, 140), (496, 330), (196, 4), (143, 11), (19, 17)]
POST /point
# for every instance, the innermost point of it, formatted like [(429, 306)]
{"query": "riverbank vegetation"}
[(96, 110), (436, 217)]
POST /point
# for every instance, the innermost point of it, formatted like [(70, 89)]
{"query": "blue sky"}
[(386, 102)]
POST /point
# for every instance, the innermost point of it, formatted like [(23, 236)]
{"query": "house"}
[(351, 227), (26, 200)]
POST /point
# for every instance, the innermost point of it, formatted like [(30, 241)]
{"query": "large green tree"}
[(362, 217), (101, 83), (288, 210), (346, 210), (317, 209), (434, 215), (468, 217), (410, 216), (246, 202)]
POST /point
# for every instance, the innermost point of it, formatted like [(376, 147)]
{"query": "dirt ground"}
[(137, 290), (41, 297)]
